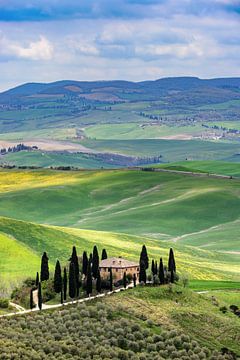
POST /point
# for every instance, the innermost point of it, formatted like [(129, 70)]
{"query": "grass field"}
[(131, 131), (24, 242), (226, 298), (199, 217), (54, 159), (171, 150), (103, 200), (210, 167)]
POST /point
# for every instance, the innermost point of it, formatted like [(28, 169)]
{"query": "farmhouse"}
[(119, 267)]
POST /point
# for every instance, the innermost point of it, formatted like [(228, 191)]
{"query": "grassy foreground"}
[(180, 308)]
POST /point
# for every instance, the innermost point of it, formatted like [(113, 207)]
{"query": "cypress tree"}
[(134, 280), (153, 267), (44, 267), (31, 299), (172, 277), (171, 261), (90, 259), (84, 263), (74, 260), (98, 282), (72, 281), (104, 254), (89, 280), (111, 280), (37, 279), (156, 268), (65, 284), (124, 280), (39, 296), (142, 273), (144, 257), (161, 272), (58, 278), (61, 296), (95, 262)]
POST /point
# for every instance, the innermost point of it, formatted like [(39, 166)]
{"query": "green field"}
[(209, 167), (131, 131), (199, 217), (54, 159), (171, 150)]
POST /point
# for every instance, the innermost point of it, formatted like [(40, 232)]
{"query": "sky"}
[(49, 40)]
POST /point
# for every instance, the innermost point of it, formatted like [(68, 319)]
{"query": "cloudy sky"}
[(47, 40)]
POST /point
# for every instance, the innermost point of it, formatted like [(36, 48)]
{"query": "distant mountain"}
[(118, 90)]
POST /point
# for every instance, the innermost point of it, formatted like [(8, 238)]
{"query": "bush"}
[(4, 303), (223, 309), (233, 308)]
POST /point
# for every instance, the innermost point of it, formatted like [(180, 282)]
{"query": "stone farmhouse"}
[(119, 267)]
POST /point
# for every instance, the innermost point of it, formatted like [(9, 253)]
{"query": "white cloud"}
[(41, 49)]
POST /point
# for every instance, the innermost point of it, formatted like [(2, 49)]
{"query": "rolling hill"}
[(198, 216)]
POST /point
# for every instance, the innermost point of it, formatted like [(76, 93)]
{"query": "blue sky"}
[(136, 40)]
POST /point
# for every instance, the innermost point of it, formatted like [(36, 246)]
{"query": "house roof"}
[(115, 262)]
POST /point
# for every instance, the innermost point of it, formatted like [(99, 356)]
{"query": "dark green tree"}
[(161, 272), (65, 284), (44, 267), (84, 263), (172, 277), (37, 279), (74, 260), (144, 257), (95, 262), (39, 296), (61, 296), (142, 273), (98, 282), (171, 261), (110, 280), (58, 278), (89, 280), (72, 281), (31, 299), (134, 280), (104, 254), (153, 267), (90, 259), (124, 280)]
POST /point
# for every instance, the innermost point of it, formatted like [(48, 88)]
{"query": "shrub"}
[(4, 303), (223, 309), (233, 308)]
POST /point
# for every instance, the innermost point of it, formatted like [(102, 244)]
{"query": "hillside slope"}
[(29, 240)]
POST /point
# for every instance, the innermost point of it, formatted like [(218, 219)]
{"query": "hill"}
[(121, 88), (29, 241), (144, 323), (109, 208), (176, 118)]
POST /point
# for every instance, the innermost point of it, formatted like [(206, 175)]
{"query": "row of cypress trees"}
[(71, 280), (157, 271)]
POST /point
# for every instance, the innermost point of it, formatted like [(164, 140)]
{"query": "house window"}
[(116, 270)]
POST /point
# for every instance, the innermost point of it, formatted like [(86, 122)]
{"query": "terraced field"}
[(120, 210)]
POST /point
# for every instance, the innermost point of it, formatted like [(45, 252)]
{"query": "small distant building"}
[(119, 267)]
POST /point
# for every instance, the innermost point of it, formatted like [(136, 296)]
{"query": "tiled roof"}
[(117, 263)]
